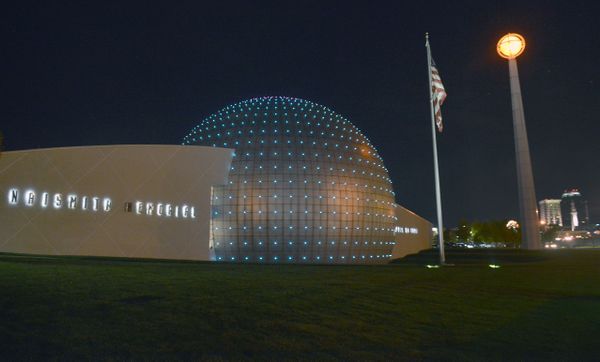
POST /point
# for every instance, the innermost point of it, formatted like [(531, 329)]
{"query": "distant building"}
[(550, 213), (574, 210)]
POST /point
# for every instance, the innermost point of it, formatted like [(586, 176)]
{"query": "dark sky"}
[(113, 73)]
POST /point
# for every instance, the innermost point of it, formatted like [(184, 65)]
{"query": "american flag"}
[(439, 95)]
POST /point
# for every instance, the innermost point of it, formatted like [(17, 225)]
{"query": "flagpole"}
[(438, 197)]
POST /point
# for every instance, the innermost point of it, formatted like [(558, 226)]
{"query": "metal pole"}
[(530, 238), (438, 193)]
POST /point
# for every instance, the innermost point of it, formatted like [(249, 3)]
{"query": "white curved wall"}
[(174, 180), (412, 234)]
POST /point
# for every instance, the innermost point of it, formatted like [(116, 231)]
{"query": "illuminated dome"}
[(305, 186)]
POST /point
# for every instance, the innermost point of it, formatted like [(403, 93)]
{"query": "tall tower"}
[(574, 218), (510, 47), (575, 206)]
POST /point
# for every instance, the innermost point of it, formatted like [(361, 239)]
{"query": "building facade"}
[(411, 234), (306, 186), (140, 201), (550, 213), (574, 210), (267, 180)]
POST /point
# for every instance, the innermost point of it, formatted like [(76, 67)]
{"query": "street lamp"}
[(510, 46)]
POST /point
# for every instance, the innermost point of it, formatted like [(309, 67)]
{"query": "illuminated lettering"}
[(13, 196), (45, 199), (405, 230), (72, 201), (149, 208), (84, 203), (107, 204), (58, 201), (164, 210), (29, 198)]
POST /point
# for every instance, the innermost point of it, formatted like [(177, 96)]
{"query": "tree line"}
[(499, 232), (485, 232)]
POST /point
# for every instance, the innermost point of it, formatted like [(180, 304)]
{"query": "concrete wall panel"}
[(176, 175), (415, 233)]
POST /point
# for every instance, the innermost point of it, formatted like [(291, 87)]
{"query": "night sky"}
[(79, 74)]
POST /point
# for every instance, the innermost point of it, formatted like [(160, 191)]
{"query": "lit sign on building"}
[(405, 230), (72, 201), (30, 198), (165, 210)]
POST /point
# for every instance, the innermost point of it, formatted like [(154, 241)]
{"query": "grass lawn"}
[(538, 305)]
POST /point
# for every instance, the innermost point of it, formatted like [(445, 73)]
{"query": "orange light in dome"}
[(511, 46), (366, 152)]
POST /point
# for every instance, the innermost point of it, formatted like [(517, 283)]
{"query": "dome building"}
[(305, 185), (267, 180)]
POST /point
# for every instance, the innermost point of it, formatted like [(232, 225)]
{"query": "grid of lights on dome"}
[(304, 186)]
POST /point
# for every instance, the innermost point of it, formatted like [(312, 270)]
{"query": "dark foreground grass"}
[(537, 306)]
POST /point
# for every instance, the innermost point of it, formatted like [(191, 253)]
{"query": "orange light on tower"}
[(511, 46)]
